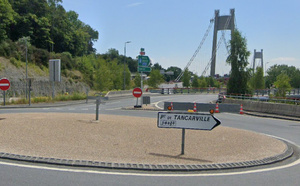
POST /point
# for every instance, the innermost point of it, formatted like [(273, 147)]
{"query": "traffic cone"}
[(241, 109), (171, 106), (217, 108), (195, 107)]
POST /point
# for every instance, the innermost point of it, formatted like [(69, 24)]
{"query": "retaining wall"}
[(266, 107), (44, 88)]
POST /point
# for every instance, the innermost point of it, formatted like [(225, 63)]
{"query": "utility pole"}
[(124, 63)]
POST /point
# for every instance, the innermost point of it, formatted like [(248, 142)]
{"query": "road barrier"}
[(267, 107), (202, 107)]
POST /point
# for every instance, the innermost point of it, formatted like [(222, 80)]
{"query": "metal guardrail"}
[(267, 99), (186, 90)]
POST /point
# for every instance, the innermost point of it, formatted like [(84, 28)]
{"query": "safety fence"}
[(43, 88)]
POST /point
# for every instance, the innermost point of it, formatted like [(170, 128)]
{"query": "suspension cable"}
[(197, 51), (218, 46)]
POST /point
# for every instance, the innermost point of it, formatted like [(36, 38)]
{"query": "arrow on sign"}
[(185, 120)]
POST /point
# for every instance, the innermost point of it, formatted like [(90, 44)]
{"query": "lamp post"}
[(266, 67), (125, 62), (26, 91)]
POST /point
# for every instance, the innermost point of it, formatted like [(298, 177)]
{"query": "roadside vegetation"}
[(44, 99), (38, 30)]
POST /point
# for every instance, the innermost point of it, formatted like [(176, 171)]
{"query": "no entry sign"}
[(137, 92), (4, 84)]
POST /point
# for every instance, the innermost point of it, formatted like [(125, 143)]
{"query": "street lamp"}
[(266, 67), (125, 62)]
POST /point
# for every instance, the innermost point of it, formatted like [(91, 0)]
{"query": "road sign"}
[(144, 61), (185, 120), (137, 92), (4, 84), (144, 69), (55, 70)]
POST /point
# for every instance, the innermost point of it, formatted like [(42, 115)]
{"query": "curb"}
[(266, 115), (151, 167)]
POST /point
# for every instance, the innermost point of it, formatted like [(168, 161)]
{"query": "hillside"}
[(13, 73), (41, 85)]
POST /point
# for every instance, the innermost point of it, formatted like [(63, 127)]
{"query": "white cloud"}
[(135, 4), (284, 59)]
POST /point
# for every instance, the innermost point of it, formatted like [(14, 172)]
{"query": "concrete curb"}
[(152, 167), (265, 115)]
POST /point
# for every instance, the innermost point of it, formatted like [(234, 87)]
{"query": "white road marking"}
[(156, 103), (117, 108), (150, 175)]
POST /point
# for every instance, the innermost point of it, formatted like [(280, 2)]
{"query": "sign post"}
[(186, 120), (137, 92), (4, 85), (54, 73)]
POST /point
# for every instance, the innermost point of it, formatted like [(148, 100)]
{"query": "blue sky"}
[(171, 30)]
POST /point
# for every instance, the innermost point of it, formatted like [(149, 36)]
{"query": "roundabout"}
[(132, 143)]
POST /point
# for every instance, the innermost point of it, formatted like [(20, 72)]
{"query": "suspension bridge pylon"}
[(258, 55), (226, 22)]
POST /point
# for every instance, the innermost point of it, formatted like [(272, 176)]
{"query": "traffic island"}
[(131, 143)]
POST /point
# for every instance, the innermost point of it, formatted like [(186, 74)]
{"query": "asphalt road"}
[(17, 173)]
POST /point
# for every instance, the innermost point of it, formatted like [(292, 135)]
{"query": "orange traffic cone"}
[(171, 106), (217, 108), (241, 109), (195, 107)]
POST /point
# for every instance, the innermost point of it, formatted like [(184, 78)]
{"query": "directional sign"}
[(4, 84), (137, 92), (144, 61), (185, 120), (144, 69)]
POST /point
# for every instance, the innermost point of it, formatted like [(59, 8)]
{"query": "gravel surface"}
[(123, 139)]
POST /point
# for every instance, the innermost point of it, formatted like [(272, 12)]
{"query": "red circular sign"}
[(4, 84), (137, 92)]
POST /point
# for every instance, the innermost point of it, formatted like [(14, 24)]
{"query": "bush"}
[(9, 49), (16, 62), (41, 99), (40, 56), (66, 97)]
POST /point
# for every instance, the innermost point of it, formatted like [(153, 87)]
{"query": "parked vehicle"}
[(221, 97)]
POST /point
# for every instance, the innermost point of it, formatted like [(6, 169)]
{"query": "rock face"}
[(41, 86)]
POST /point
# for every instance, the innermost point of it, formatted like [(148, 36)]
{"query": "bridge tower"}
[(258, 55), (221, 23)]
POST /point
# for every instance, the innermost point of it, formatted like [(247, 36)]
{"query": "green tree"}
[(155, 79), (195, 82), (103, 76), (283, 84), (176, 71), (257, 81), (137, 80), (202, 82), (157, 66), (7, 15), (186, 77), (238, 60), (275, 70)]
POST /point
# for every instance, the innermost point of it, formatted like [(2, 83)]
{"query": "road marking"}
[(156, 103), (117, 108), (150, 175)]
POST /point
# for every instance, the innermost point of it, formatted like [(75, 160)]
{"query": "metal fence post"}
[(97, 108)]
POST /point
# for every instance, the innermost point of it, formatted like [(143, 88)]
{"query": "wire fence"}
[(44, 88)]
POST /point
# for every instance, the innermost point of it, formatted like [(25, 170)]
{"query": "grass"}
[(45, 99)]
